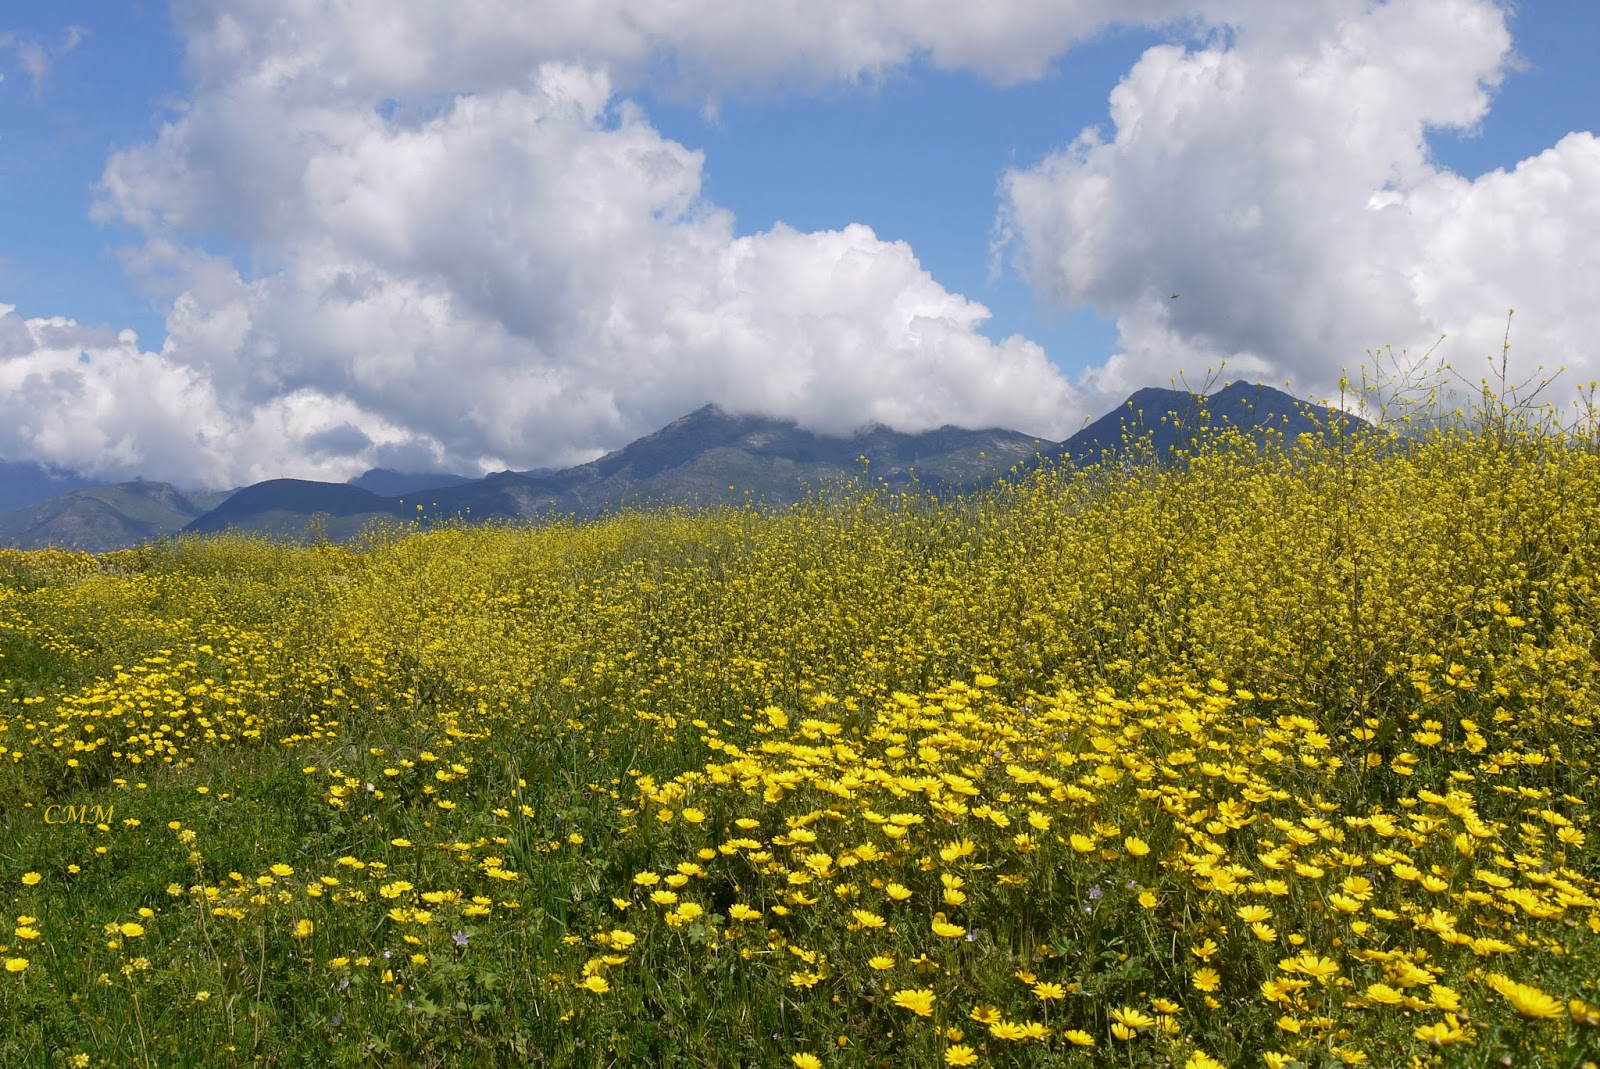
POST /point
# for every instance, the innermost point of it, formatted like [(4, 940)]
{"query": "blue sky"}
[(517, 243)]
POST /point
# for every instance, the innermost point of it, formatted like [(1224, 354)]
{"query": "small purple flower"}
[(460, 939), (1095, 894), (337, 1021)]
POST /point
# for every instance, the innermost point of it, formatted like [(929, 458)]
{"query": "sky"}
[(250, 239)]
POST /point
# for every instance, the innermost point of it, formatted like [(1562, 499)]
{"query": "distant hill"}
[(99, 518), (287, 508), (387, 483), (24, 483), (708, 457), (691, 461), (700, 455), (1171, 419)]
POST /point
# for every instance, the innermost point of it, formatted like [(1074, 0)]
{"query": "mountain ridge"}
[(708, 457)]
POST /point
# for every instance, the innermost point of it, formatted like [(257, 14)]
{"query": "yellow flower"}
[(868, 919), (881, 962), (1526, 999), (1384, 994), (1442, 1033), (918, 1000), (960, 1054), (1201, 1060), (30, 878), (16, 964), (1047, 991), (598, 984), (280, 869), (983, 1013), (303, 929), (1310, 964), (741, 912), (806, 1061), (1136, 847), (944, 928), (1132, 1017), (1264, 932), (898, 892), (695, 816), (1010, 1031), (1357, 887), (1253, 914), (957, 850), (1079, 1038), (131, 929), (1344, 904), (1206, 980)]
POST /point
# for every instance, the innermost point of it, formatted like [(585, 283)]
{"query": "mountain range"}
[(708, 457)]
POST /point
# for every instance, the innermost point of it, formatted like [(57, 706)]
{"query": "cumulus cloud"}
[(373, 49), (1281, 183), (529, 276), (85, 398), (458, 244)]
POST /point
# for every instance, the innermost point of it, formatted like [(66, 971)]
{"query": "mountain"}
[(98, 518), (708, 457), (388, 483), (24, 483), (1170, 419), (292, 507), (691, 461)]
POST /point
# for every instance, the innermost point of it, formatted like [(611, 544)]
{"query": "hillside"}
[(1288, 761), (691, 461), (708, 457), (1171, 419), (99, 518)]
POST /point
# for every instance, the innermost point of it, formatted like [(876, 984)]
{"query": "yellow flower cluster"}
[(1256, 758)]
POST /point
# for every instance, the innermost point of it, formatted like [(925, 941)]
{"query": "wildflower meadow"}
[(1281, 755)]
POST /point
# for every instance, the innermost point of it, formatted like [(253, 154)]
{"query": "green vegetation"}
[(1284, 756)]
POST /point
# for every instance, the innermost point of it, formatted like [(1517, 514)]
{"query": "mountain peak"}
[(386, 482), (1248, 406)]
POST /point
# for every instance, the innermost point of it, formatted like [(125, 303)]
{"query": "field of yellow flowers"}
[(1281, 757)]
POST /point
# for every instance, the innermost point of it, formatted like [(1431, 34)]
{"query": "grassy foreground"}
[(1278, 759)]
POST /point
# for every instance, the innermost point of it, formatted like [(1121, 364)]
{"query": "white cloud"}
[(35, 59), (459, 244), (90, 399), (1282, 185), (529, 276), (371, 49)]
